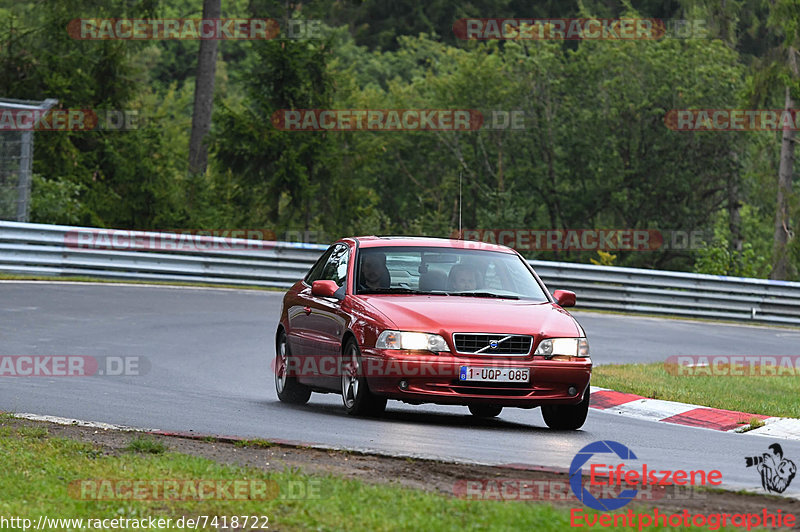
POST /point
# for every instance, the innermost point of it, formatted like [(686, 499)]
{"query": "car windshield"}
[(445, 272)]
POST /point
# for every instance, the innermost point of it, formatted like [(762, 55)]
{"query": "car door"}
[(324, 323), (298, 311)]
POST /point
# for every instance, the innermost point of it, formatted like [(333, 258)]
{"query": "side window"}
[(315, 274), (336, 266)]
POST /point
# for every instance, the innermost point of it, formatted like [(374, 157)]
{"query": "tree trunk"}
[(203, 94), (785, 173), (779, 267), (734, 210)]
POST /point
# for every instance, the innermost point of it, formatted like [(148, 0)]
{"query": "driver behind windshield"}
[(463, 278), (374, 273)]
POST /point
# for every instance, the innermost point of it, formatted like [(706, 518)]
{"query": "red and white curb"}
[(636, 406)]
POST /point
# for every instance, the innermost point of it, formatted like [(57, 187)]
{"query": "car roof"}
[(373, 241)]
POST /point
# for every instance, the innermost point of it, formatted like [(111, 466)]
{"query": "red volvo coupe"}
[(428, 320)]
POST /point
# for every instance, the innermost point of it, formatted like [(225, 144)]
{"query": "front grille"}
[(480, 344)]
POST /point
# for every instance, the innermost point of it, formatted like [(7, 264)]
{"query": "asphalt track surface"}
[(209, 353)]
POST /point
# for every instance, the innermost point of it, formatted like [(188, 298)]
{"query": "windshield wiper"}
[(396, 290), (484, 294)]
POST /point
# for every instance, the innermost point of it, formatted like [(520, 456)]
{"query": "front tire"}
[(356, 397), (567, 417), (289, 390), (485, 410)]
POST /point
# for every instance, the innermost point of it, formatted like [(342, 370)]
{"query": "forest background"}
[(594, 152)]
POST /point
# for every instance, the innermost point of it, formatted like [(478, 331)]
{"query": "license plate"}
[(484, 374)]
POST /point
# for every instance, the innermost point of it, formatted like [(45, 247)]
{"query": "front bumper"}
[(435, 379)]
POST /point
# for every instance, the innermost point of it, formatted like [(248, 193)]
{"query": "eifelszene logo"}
[(576, 475), (776, 471), (608, 474)]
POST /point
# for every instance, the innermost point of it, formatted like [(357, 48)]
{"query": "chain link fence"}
[(16, 159)]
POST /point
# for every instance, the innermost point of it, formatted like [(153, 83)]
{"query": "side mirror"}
[(565, 298), (326, 289)]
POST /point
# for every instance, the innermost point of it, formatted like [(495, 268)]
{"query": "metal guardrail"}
[(675, 293), (57, 250), (54, 250)]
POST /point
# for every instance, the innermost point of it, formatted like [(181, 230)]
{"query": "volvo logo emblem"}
[(493, 344)]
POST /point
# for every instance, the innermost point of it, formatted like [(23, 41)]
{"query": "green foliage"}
[(118, 176), (278, 175), (257, 443), (594, 151), (147, 445), (719, 259), (720, 256), (55, 201)]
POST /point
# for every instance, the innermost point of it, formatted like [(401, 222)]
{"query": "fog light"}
[(572, 390), (403, 385)]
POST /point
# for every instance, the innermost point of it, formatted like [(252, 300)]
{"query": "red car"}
[(427, 320)]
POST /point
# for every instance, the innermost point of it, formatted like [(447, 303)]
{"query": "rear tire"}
[(567, 417), (485, 410), (356, 397), (289, 390)]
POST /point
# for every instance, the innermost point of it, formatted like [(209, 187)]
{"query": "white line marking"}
[(787, 428), (78, 422)]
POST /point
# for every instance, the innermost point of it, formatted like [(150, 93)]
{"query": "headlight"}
[(563, 347), (411, 340)]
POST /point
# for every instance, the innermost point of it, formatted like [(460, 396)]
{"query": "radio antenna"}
[(460, 235)]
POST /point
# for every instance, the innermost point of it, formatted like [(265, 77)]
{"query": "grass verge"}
[(770, 396), (146, 444), (42, 476), (48, 476), (259, 443)]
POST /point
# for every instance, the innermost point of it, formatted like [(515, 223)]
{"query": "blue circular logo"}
[(576, 476), (493, 344)]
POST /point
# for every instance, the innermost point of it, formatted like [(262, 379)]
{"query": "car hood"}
[(441, 314)]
